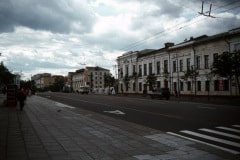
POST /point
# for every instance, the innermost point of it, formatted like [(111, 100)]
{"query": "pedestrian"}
[(176, 94), (21, 97)]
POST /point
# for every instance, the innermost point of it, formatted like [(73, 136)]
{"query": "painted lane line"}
[(63, 105), (229, 129), (115, 112), (220, 133), (211, 138), (209, 144), (126, 108), (212, 108), (238, 126)]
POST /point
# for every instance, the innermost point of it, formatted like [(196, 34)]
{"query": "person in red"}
[(21, 98)]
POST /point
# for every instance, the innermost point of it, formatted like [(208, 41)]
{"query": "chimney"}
[(168, 44)]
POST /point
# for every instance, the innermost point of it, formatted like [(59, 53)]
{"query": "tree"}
[(151, 80), (191, 73), (5, 76), (228, 65), (109, 80)]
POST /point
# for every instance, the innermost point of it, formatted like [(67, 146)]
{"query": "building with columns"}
[(170, 63)]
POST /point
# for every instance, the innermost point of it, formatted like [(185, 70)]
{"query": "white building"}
[(169, 65)]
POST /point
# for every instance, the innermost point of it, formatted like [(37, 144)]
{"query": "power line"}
[(174, 28)]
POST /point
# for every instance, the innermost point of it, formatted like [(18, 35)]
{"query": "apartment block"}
[(92, 77)]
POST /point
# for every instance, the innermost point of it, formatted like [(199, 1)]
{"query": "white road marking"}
[(115, 112), (209, 144), (63, 105), (212, 108), (211, 138), (238, 126), (229, 129), (220, 133)]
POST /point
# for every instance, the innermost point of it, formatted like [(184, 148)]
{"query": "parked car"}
[(161, 93), (84, 90)]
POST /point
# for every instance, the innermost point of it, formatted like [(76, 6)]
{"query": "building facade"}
[(169, 65), (92, 77), (45, 80)]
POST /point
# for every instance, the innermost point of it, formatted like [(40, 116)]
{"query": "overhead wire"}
[(175, 27)]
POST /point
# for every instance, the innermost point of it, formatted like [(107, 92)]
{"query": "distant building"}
[(170, 63), (92, 77), (45, 80)]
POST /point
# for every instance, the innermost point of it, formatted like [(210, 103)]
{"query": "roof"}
[(96, 68)]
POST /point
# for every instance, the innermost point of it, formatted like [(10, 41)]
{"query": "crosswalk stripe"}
[(211, 138), (209, 144), (220, 133), (238, 126), (229, 129)]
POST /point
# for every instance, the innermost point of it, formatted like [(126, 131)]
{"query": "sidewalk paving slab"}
[(46, 131)]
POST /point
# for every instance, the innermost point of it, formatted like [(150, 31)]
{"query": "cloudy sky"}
[(60, 36)]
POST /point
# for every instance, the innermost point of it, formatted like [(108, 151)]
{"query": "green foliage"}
[(126, 79), (190, 73), (223, 65), (109, 80), (228, 65), (5, 76), (151, 80)]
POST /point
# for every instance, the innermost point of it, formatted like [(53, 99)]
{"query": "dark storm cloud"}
[(52, 15)]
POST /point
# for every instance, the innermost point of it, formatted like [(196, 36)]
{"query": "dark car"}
[(161, 93)]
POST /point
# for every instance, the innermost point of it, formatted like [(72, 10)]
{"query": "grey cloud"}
[(55, 15)]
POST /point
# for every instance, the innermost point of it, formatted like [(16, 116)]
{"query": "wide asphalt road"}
[(168, 116)]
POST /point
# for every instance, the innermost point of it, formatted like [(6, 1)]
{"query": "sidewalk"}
[(47, 130)]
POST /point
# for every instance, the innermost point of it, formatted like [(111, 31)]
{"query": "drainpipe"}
[(229, 49), (194, 67)]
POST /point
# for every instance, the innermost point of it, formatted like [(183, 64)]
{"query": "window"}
[(150, 68), (165, 83), (181, 65), (127, 84), (198, 62), (140, 70), (134, 68), (189, 86), (215, 55), (140, 86), (158, 84), (188, 63), (174, 66), (181, 86), (126, 67), (216, 85), (121, 73), (165, 63), (199, 85), (207, 87), (225, 85), (134, 86), (206, 61), (175, 85), (158, 68), (145, 69)]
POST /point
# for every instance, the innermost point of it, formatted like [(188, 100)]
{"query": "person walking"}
[(21, 98)]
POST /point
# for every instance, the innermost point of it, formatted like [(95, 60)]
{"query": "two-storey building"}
[(170, 64)]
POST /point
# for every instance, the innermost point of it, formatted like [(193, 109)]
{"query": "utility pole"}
[(205, 13)]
